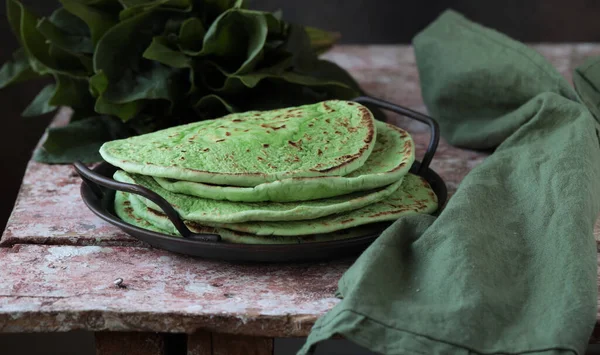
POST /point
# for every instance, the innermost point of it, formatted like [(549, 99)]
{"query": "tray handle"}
[(94, 181), (433, 125)]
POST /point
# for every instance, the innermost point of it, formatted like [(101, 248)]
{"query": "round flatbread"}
[(124, 210), (391, 158), (204, 210), (330, 138), (413, 197), (132, 210)]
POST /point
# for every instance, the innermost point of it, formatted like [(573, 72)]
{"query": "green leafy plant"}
[(129, 67)]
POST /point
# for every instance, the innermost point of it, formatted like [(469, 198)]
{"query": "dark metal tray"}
[(98, 190)]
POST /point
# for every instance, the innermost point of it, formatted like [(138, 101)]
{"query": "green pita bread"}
[(205, 210), (232, 236), (132, 210), (330, 138), (392, 157), (414, 196), (124, 210)]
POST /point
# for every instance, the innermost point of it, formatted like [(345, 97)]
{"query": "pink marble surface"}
[(49, 210), (61, 288), (59, 260)]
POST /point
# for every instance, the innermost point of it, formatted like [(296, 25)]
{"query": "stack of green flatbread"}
[(303, 174)]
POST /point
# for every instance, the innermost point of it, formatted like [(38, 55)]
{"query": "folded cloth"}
[(509, 266)]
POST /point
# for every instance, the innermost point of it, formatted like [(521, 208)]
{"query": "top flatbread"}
[(392, 157), (246, 149)]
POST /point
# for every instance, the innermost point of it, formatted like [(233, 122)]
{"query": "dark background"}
[(359, 21)]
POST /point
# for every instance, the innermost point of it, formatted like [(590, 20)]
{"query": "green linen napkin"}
[(509, 266)]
